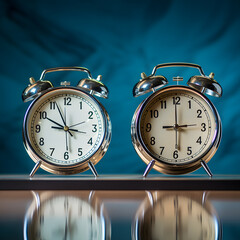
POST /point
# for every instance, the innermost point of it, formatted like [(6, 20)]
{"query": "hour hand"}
[(62, 128), (167, 127)]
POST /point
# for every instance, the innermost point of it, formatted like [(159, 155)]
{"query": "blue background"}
[(119, 40)]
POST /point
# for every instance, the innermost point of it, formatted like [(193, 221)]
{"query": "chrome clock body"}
[(66, 130)]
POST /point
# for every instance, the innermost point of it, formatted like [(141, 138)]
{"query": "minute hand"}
[(187, 125), (64, 122)]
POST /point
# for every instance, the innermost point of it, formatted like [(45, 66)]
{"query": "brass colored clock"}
[(177, 129)]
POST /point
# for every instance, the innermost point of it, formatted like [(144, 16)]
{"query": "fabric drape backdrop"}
[(119, 40)]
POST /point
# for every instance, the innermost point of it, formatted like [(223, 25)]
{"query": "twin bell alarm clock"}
[(176, 129), (66, 130)]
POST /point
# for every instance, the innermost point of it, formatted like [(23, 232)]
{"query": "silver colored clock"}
[(177, 129), (66, 130)]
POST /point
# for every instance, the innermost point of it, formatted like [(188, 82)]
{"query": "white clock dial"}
[(177, 126), (65, 127)]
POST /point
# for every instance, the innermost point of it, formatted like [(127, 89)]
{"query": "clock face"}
[(66, 217), (177, 126), (65, 126)]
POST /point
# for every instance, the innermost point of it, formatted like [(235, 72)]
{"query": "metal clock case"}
[(66, 130), (177, 129)]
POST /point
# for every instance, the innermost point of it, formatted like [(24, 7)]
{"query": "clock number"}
[(43, 115), (94, 127), (199, 112), (38, 128), (80, 152), (189, 104), (152, 141), (52, 150), (161, 152), (154, 113), (175, 154), (66, 156), (90, 115), (80, 105), (67, 101), (148, 127), (163, 104), (90, 141), (52, 105), (203, 127), (41, 141), (176, 100), (189, 150), (199, 140)]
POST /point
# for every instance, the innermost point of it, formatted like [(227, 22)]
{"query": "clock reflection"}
[(176, 216), (66, 216)]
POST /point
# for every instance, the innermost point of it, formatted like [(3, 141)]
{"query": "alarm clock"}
[(68, 215), (176, 129), (171, 215), (66, 130)]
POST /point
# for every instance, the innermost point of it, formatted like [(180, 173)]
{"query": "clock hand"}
[(66, 141), (187, 125), (66, 127), (69, 129), (167, 127), (179, 126), (55, 122), (75, 130), (62, 128), (77, 124), (61, 114), (176, 127), (176, 139)]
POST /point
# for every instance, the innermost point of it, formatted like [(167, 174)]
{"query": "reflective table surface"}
[(114, 214)]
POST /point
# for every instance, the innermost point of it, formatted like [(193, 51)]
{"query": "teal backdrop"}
[(119, 40)]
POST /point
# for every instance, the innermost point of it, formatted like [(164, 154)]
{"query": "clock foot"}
[(93, 169), (206, 168), (35, 168), (149, 168)]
